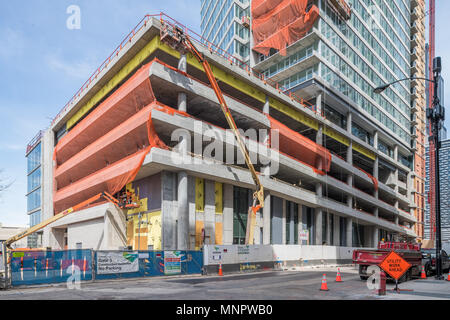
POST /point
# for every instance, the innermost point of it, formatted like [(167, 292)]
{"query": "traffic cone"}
[(338, 276), (220, 270), (448, 277), (423, 275), (324, 286)]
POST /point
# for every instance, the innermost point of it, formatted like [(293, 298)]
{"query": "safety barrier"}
[(43, 267), (113, 265), (46, 267)]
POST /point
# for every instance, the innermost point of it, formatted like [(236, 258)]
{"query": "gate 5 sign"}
[(394, 265)]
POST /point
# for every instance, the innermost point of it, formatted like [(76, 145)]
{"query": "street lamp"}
[(436, 116)]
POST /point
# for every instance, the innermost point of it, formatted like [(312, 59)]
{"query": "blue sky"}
[(42, 64)]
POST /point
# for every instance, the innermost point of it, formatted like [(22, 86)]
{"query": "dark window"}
[(240, 208)]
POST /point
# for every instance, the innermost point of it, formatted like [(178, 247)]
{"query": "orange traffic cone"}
[(220, 270), (448, 278), (324, 286), (423, 275), (338, 276)]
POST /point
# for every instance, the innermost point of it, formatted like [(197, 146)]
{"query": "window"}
[(34, 200), (362, 134), (34, 180), (240, 208), (34, 158), (335, 117)]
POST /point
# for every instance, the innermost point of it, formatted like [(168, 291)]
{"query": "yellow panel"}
[(142, 208), (118, 78), (155, 230), (219, 197), (369, 154), (294, 114), (199, 225), (336, 136), (130, 232), (219, 233), (199, 195)]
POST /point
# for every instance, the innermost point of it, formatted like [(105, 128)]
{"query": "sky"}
[(43, 63)]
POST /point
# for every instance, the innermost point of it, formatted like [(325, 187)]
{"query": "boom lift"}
[(176, 38), (125, 202)]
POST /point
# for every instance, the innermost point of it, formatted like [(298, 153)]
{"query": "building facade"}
[(312, 189), (226, 24), (34, 187), (444, 163), (336, 66)]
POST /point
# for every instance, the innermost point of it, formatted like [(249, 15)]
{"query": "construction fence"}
[(46, 267)]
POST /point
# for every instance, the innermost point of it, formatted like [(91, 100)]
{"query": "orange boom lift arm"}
[(177, 39), (78, 207)]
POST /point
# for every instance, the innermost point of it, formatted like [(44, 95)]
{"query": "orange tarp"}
[(105, 151), (301, 148), (279, 23)]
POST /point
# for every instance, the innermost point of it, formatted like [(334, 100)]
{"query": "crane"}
[(177, 39)]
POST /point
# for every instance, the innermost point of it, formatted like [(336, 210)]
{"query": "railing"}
[(194, 37), (34, 141)]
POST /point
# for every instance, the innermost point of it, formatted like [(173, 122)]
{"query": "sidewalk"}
[(426, 289)]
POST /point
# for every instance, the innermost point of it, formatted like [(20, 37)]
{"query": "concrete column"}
[(182, 97), (192, 213), (182, 101), (210, 212), (319, 135), (169, 211), (329, 228), (318, 216), (277, 221), (266, 218), (375, 140), (336, 233), (349, 122), (292, 224), (300, 220), (375, 212), (183, 212), (283, 223), (266, 108), (397, 222), (350, 154), (319, 189), (376, 175), (396, 152), (319, 104), (376, 236), (227, 214), (349, 230)]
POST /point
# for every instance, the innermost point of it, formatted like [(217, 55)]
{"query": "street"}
[(277, 285)]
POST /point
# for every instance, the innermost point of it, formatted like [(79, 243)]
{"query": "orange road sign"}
[(395, 265)]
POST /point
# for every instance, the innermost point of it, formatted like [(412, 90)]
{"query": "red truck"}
[(411, 252)]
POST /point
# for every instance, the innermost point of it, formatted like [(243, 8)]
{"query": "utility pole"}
[(436, 117)]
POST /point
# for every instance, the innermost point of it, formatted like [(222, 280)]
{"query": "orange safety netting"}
[(279, 23), (105, 151), (301, 148)]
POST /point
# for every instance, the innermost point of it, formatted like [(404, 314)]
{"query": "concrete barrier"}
[(238, 258)]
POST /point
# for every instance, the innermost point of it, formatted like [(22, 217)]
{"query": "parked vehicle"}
[(411, 252), (429, 261)]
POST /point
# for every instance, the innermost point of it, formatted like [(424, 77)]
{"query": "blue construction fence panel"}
[(44, 267), (135, 264)]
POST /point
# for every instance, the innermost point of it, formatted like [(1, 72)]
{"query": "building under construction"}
[(147, 129)]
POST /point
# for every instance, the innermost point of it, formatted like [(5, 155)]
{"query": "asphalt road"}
[(281, 285)]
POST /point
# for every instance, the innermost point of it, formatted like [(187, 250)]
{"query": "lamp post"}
[(436, 116)]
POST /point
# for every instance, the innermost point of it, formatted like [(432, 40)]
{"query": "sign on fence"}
[(172, 262), (117, 262)]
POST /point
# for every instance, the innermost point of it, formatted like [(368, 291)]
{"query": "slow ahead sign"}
[(395, 265)]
